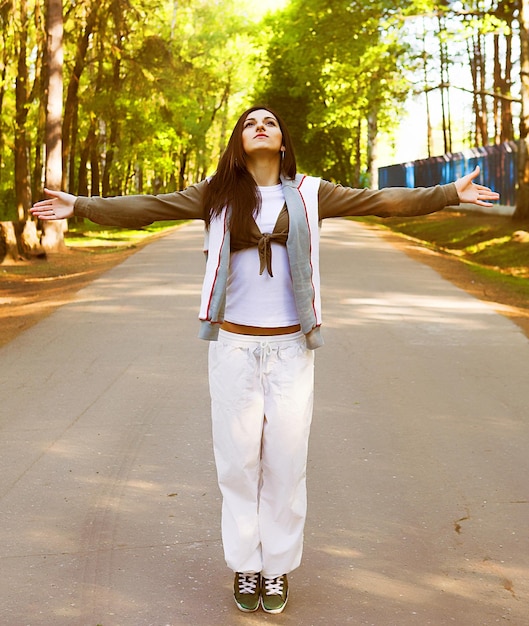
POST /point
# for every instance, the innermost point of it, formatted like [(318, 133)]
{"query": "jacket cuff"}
[(451, 195), (80, 208)]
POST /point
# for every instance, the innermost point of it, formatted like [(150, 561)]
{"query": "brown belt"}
[(239, 329)]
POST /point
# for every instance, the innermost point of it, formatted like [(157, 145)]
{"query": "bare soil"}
[(31, 290)]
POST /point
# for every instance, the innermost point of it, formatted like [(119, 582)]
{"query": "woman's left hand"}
[(470, 192)]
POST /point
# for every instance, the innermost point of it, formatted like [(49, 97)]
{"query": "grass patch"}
[(107, 239), (88, 247), (515, 285)]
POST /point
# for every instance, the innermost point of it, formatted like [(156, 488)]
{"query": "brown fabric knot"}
[(263, 241), (265, 253)]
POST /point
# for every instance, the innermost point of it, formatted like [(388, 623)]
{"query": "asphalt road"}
[(418, 466)]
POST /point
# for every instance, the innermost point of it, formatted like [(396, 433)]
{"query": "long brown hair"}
[(232, 184)]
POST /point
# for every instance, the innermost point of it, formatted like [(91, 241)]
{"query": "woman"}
[(261, 311)]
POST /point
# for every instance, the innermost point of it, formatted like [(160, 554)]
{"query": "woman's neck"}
[(265, 172)]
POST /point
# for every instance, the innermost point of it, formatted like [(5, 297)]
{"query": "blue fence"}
[(498, 165)]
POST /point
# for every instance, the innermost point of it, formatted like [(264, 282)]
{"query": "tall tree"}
[(478, 27), (4, 60), (522, 198), (503, 67), (22, 192), (477, 61), (444, 86), (71, 105), (52, 239)]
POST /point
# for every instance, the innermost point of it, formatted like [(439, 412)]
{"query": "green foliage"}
[(161, 92), (151, 88), (8, 212), (330, 67)]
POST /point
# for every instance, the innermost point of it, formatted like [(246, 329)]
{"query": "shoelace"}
[(274, 586), (248, 583)]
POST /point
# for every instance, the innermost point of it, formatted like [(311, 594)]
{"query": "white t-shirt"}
[(262, 300)]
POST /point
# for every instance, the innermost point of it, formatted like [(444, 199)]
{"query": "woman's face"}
[(261, 134)]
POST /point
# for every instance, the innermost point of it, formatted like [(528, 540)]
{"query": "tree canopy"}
[(334, 69), (151, 88)]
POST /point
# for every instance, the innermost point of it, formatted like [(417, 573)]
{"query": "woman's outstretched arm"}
[(125, 211), (339, 201)]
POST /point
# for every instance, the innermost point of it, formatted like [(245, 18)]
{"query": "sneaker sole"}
[(245, 609), (274, 611)]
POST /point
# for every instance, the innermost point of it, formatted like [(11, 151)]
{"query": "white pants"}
[(262, 397)]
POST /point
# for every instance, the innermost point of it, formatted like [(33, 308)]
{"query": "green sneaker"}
[(274, 594), (246, 589)]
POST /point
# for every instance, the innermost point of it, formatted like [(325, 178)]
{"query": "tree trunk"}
[(82, 178), (506, 12), (29, 239), (38, 92), (522, 198), (476, 59), (182, 170), (357, 169), (106, 189), (372, 131), (22, 195), (95, 177), (4, 16), (8, 243), (482, 89), (69, 127), (429, 140), (507, 127), (53, 239), (497, 88), (445, 93), (106, 183), (71, 158)]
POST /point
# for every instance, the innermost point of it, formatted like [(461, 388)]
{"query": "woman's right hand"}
[(58, 206)]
